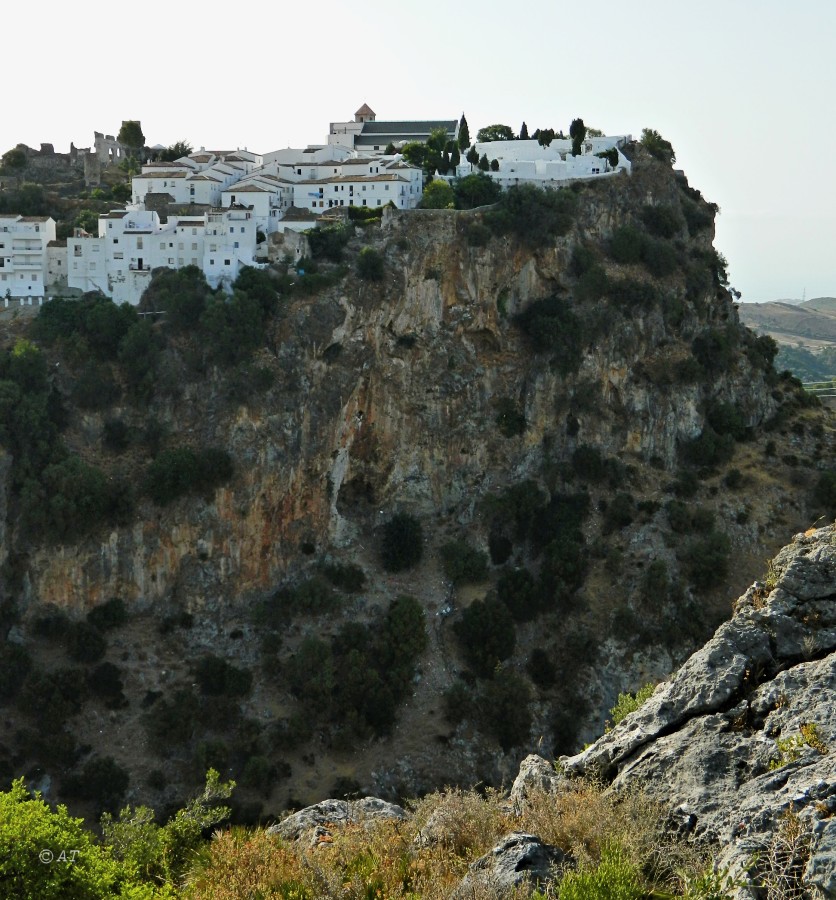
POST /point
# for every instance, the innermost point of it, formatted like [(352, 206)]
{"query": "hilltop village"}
[(223, 210)]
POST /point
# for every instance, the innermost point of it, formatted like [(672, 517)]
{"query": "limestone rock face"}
[(517, 859), (741, 741), (317, 821)]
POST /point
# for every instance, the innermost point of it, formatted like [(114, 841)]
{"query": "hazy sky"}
[(745, 90)]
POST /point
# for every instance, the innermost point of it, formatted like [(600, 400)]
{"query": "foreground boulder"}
[(316, 821), (517, 859), (741, 741)]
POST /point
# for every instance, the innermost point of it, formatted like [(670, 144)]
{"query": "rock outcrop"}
[(315, 822), (741, 741), (516, 860)]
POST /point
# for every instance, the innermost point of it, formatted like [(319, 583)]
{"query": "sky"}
[(743, 89)]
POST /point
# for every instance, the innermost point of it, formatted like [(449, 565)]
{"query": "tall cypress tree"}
[(484, 165), (472, 156), (524, 132), (464, 134), (455, 156), (444, 168)]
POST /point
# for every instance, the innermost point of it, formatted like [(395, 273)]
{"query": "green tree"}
[(484, 165), (495, 133), (438, 195), (401, 545), (657, 146), (130, 134), (577, 131), (486, 634), (14, 160), (33, 838), (475, 190), (494, 165), (473, 156), (370, 265), (455, 157), (121, 192), (175, 151), (464, 134), (524, 132)]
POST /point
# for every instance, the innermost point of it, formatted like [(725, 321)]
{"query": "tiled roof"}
[(365, 110), (407, 128), (295, 214), (165, 174), (34, 219), (358, 179), (247, 188)]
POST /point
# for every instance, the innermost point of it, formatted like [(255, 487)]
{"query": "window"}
[(194, 246), (139, 243), (194, 231), (364, 201), (116, 240), (211, 262), (171, 245), (226, 262), (236, 243), (96, 248), (110, 224), (162, 246), (37, 228), (364, 187), (385, 187), (92, 265), (180, 261), (171, 260), (379, 202), (118, 255), (180, 245)]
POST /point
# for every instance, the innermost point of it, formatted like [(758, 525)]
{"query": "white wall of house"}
[(23, 255)]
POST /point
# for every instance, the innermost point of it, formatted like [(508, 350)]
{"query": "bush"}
[(589, 464), (505, 709), (116, 435), (662, 221), (715, 349), (217, 678), (345, 575), (534, 215), (370, 265), (476, 190), (462, 563), (15, 664), (552, 327), (111, 614), (182, 471), (626, 245), (85, 643), (486, 635), (517, 589), (616, 877), (541, 668), (102, 781), (329, 242), (825, 488), (709, 449), (105, 681), (509, 419), (628, 703), (726, 418), (619, 513), (401, 545), (707, 560)]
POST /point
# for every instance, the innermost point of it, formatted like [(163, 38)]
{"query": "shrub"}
[(95, 387), (476, 190), (329, 242), (105, 681), (499, 547), (726, 418), (486, 634), (111, 614), (15, 664), (534, 215), (217, 677), (714, 349), (401, 545), (182, 471), (630, 294), (462, 563), (172, 721), (552, 327), (509, 419), (619, 513), (589, 464), (707, 560), (592, 285), (347, 576), (659, 258), (825, 488), (615, 877), (102, 781), (626, 245), (116, 436), (477, 234), (662, 221), (370, 265), (628, 703), (709, 449), (517, 589), (85, 643), (541, 668), (504, 709)]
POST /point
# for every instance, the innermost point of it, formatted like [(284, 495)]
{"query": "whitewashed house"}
[(24, 263), (366, 134), (132, 243)]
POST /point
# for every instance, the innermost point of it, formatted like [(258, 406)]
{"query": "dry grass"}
[(427, 856)]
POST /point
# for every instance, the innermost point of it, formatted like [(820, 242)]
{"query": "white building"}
[(527, 162), (132, 243), (24, 263), (368, 135)]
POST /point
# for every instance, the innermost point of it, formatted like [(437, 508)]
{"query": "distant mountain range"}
[(805, 333)]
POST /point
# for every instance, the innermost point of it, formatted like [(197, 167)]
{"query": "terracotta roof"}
[(201, 157), (358, 179), (61, 243), (247, 188), (204, 178), (365, 110), (34, 218), (165, 174), (115, 214)]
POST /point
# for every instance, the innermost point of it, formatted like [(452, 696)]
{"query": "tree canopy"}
[(657, 146), (495, 133), (577, 131), (13, 160), (175, 151), (131, 134), (438, 195), (464, 134), (524, 132)]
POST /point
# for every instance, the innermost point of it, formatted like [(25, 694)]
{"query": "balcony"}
[(146, 270)]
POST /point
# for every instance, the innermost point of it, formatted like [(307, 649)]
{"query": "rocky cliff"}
[(497, 376)]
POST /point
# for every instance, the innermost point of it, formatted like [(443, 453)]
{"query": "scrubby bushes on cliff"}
[(534, 215), (185, 471), (486, 634), (401, 543), (463, 564), (552, 327)]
